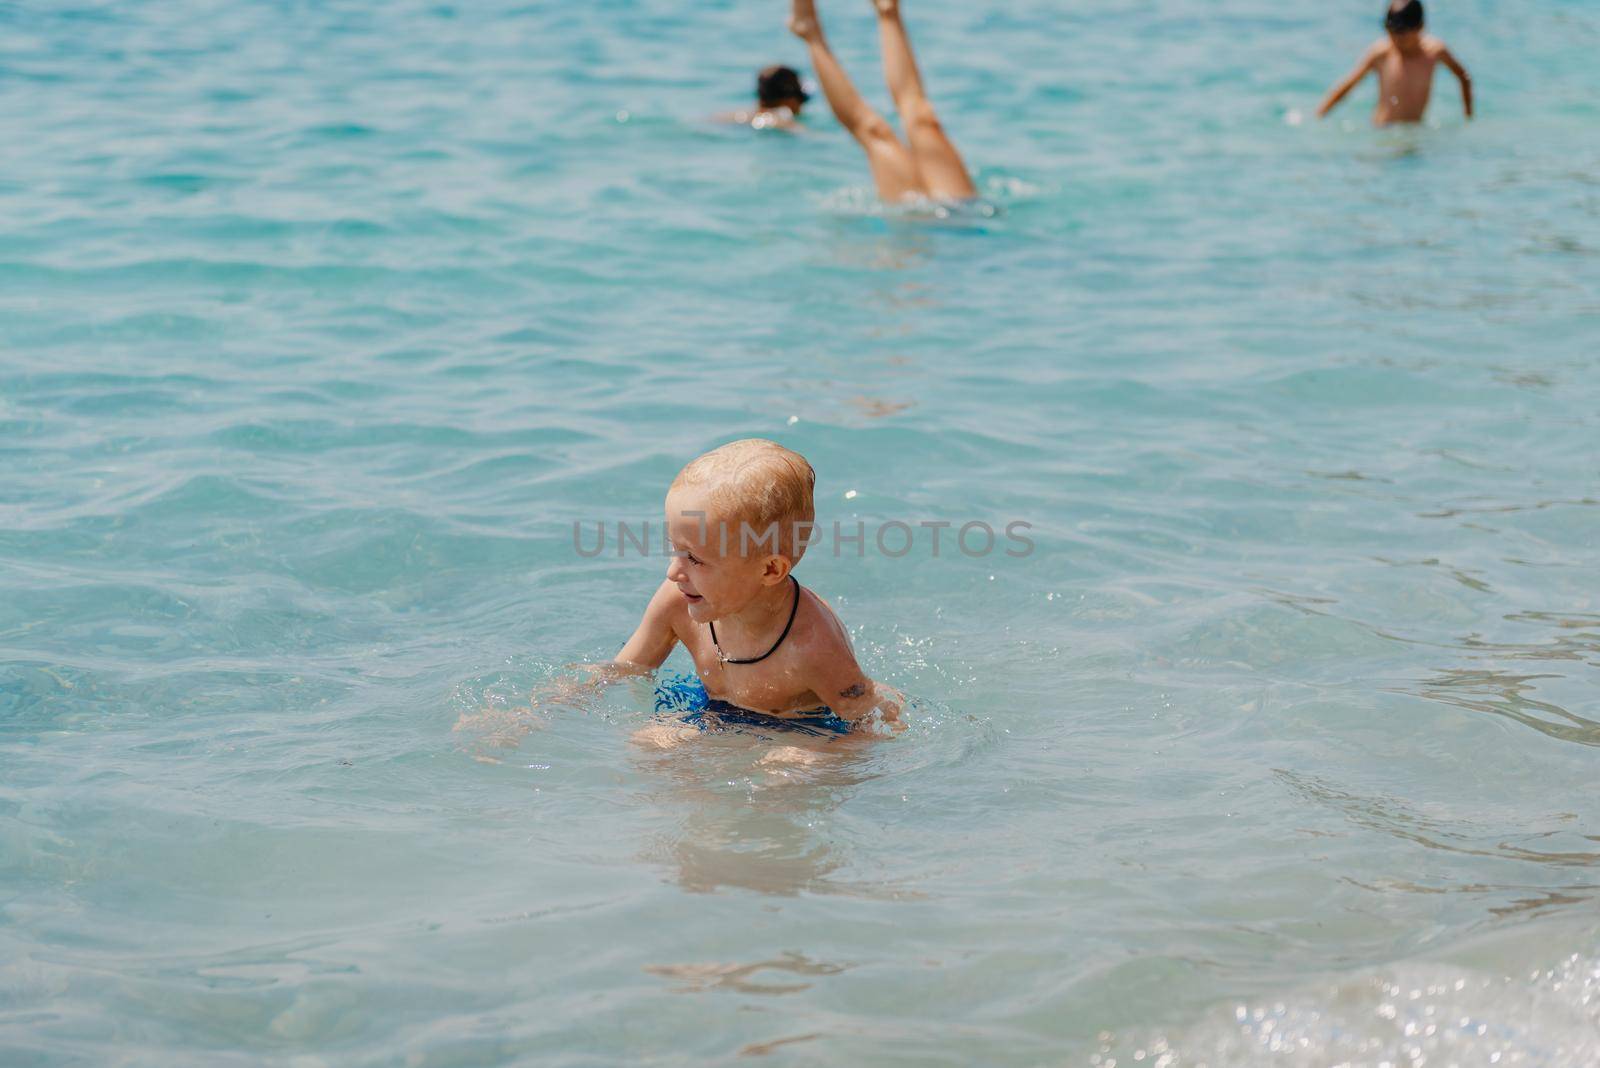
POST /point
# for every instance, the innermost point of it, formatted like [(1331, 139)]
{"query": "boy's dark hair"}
[(777, 84), (1404, 16)]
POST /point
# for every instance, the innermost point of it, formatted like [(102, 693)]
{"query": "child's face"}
[(713, 582)]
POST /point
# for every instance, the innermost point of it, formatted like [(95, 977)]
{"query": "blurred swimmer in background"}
[(779, 100), (1405, 60)]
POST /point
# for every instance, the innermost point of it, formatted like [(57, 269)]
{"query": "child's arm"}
[(652, 641), (1461, 75), (654, 638), (1350, 81), (846, 689), (645, 652)]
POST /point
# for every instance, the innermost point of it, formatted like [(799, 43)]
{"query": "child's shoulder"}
[(817, 627), (823, 653), (1433, 46)]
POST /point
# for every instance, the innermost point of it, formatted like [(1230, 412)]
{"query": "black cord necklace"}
[(794, 608)]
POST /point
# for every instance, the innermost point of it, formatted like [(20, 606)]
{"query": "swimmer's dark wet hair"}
[(1405, 16), (777, 84)]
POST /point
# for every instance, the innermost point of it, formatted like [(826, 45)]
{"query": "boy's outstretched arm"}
[(1461, 75), (654, 638), (645, 651), (1349, 82)]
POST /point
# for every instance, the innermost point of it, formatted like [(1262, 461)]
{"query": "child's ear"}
[(776, 570)]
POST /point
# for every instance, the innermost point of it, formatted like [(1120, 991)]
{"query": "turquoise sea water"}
[(320, 324)]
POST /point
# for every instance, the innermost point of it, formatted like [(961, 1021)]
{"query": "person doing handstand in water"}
[(929, 166)]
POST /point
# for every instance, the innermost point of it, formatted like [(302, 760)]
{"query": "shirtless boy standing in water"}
[(768, 651), (771, 656), (930, 167), (1405, 61)]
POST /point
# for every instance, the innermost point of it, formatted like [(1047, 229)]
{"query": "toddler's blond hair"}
[(758, 483)]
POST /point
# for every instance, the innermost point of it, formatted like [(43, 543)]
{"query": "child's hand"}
[(502, 728), (891, 703), (889, 9), (889, 721), (505, 728)]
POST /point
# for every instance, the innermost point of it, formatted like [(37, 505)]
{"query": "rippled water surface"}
[(321, 323)]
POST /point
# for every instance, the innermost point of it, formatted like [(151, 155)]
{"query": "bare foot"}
[(789, 754), (889, 9), (803, 20), (664, 735)]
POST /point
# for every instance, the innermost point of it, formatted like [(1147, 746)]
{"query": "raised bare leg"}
[(894, 168), (936, 157)]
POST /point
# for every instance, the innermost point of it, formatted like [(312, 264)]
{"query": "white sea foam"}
[(1501, 1009)]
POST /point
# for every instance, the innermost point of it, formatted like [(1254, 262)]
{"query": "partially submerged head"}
[(739, 519), (1404, 22), (779, 87)]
